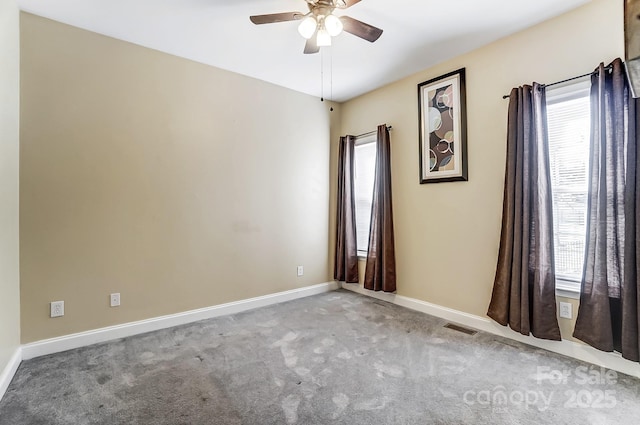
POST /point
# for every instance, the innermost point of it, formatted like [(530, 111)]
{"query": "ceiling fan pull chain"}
[(331, 78), (321, 75)]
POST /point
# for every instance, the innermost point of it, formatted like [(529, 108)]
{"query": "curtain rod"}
[(372, 132), (607, 68)]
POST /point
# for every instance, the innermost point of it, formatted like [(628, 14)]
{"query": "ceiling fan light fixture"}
[(308, 27), (324, 39), (320, 25), (333, 25)]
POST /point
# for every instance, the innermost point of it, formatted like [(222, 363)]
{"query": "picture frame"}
[(442, 112)]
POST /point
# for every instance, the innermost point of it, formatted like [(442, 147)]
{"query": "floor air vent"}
[(510, 344), (460, 329)]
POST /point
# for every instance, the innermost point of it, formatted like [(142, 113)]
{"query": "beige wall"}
[(9, 126), (176, 184), (182, 186), (447, 234)]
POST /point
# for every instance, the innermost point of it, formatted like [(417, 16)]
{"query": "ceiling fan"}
[(320, 24)]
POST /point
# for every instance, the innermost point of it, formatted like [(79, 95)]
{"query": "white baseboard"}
[(568, 348), (54, 345), (68, 342), (9, 371)]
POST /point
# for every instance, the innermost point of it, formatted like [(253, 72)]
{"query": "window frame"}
[(361, 141), (571, 90)]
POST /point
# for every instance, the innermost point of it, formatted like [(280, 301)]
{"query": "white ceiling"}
[(417, 34)]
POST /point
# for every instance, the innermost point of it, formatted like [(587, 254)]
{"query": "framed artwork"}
[(443, 128)]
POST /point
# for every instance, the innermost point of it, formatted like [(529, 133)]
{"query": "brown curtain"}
[(608, 314), (346, 261), (630, 296), (524, 287), (380, 272)]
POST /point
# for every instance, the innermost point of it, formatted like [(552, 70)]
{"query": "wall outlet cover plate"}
[(566, 310), (57, 309)]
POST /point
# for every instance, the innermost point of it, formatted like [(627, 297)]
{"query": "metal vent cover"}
[(459, 328)]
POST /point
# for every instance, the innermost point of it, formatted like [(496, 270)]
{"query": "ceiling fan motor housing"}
[(322, 8)]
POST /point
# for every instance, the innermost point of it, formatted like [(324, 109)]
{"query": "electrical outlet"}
[(300, 270), (565, 310), (57, 309), (115, 300)]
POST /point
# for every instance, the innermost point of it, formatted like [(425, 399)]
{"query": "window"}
[(568, 119), (365, 170)]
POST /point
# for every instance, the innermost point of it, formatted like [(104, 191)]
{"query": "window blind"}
[(568, 120)]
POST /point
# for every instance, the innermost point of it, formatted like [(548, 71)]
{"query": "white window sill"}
[(567, 289)]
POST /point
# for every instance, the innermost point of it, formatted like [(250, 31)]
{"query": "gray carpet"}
[(335, 358)]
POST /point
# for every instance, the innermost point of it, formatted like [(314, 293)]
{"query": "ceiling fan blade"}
[(343, 4), (360, 29), (276, 17), (311, 46)]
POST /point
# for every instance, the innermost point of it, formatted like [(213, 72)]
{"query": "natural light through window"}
[(568, 119), (365, 167)]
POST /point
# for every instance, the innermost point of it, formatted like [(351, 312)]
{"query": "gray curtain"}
[(380, 272), (630, 296), (346, 259), (524, 287), (608, 314)]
